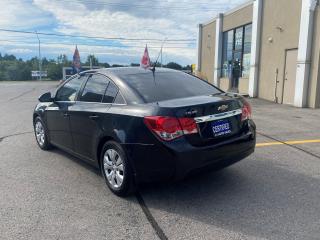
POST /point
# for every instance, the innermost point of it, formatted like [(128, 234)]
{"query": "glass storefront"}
[(237, 50)]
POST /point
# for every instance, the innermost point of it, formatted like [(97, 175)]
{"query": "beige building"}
[(265, 48)]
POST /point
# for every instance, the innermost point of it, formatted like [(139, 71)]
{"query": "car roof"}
[(131, 70), (123, 71), (117, 74)]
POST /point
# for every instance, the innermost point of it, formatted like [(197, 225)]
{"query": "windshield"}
[(167, 85)]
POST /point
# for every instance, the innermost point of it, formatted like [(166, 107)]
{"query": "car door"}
[(58, 116), (87, 114)]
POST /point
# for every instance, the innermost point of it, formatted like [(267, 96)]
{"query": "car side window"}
[(68, 91), (94, 89), (111, 93), (119, 99)]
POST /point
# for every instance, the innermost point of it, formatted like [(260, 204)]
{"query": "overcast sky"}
[(171, 19)]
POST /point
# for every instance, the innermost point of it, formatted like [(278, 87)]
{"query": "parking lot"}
[(273, 194)]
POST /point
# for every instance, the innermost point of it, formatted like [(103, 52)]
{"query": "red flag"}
[(76, 64), (145, 60)]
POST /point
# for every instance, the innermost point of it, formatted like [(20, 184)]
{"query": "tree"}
[(94, 60), (174, 65), (188, 67), (106, 65), (7, 57), (54, 71), (117, 65), (16, 71), (45, 62), (12, 68), (63, 60)]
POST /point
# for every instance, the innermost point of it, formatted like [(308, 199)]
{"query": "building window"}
[(227, 52), (237, 47), (246, 51)]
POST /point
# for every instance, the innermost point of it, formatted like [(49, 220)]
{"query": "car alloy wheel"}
[(40, 133), (113, 168), (116, 169)]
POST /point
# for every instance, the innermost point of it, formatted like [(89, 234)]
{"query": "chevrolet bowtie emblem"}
[(223, 107)]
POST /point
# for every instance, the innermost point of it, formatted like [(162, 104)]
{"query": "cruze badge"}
[(223, 107), (191, 112)]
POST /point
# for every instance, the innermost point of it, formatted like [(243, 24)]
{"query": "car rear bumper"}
[(159, 162), (215, 157)]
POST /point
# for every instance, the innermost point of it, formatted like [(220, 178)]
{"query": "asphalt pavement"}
[(273, 194)]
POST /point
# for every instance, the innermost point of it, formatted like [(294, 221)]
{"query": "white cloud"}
[(78, 20), (163, 19), (20, 50), (22, 15)]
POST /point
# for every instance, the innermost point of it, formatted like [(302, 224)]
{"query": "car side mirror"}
[(46, 97)]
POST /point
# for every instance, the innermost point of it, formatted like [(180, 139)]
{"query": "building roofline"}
[(235, 9), (210, 21)]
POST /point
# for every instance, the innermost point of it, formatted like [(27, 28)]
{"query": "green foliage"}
[(54, 71), (106, 65), (63, 60), (188, 67), (117, 65), (15, 69), (93, 60), (174, 65)]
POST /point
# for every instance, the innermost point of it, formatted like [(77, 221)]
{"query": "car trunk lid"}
[(217, 116)]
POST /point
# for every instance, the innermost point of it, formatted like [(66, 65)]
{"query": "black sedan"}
[(140, 125)]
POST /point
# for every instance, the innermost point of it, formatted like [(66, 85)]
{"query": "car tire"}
[(41, 134), (116, 169)]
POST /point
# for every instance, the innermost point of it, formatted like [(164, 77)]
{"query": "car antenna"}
[(153, 69)]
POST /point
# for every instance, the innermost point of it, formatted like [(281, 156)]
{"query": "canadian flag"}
[(145, 60)]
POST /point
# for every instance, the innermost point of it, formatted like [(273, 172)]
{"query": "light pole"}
[(40, 61), (161, 57)]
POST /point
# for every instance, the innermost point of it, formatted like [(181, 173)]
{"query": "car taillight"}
[(169, 128), (188, 125), (246, 111)]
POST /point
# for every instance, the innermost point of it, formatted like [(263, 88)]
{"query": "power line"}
[(98, 45), (218, 6), (129, 6), (97, 37), (122, 42)]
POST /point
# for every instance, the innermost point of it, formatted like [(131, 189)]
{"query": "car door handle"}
[(66, 115), (93, 117)]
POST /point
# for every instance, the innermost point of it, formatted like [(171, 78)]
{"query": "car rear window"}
[(167, 86)]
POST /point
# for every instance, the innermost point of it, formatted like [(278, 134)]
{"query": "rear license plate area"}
[(221, 128), (216, 129)]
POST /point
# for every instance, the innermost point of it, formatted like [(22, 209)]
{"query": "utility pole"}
[(39, 60), (161, 56)]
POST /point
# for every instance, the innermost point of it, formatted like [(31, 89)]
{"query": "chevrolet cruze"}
[(140, 125)]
